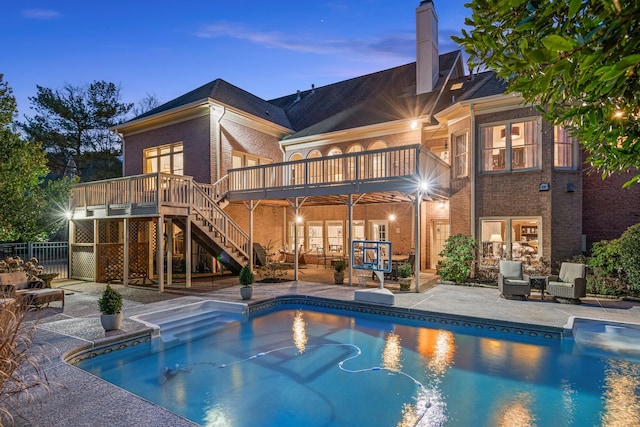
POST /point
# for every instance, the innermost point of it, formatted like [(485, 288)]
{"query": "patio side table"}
[(539, 282)]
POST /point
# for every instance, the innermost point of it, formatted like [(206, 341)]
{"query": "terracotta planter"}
[(246, 292), (111, 322), (338, 277)]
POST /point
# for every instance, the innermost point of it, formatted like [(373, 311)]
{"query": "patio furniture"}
[(322, 257), (570, 284), (512, 282), (28, 292)]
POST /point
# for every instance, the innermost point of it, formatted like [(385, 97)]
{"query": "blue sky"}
[(167, 48)]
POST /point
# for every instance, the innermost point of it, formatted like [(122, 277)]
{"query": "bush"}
[(20, 373), (339, 266), (630, 255), (246, 276), (605, 257), (458, 253), (405, 270), (110, 302)]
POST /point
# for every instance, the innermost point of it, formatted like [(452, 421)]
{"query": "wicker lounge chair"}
[(512, 283), (570, 284)]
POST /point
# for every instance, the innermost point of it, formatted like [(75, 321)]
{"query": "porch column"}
[(169, 251), (160, 253), (349, 238), (187, 252), (125, 262), (96, 242)]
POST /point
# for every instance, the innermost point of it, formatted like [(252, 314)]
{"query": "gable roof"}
[(227, 94)]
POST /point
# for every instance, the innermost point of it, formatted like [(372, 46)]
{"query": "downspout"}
[(474, 160)]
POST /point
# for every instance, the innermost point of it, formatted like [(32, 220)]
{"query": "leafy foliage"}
[(75, 121), (246, 276), (605, 256), (339, 266), (25, 211), (110, 302), (20, 371), (578, 60), (458, 253), (630, 254), (405, 270), (272, 271)]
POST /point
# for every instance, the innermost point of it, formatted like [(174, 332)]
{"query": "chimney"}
[(427, 59)]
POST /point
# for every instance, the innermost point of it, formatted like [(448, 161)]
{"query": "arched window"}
[(351, 162), (377, 166), (315, 167), (297, 169), (334, 166)]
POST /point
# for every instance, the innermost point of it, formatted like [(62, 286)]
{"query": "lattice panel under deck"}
[(83, 262), (84, 232)]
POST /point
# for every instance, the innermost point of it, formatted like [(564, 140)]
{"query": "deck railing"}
[(374, 166)]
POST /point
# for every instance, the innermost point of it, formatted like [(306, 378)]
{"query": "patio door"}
[(439, 233)]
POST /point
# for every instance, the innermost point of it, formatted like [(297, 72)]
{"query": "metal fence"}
[(53, 256)]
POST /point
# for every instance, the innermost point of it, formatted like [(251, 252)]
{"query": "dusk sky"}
[(167, 48)]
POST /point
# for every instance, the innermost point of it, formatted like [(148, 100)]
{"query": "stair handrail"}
[(220, 188), (231, 233)]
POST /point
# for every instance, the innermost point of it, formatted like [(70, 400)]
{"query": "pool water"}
[(308, 367)]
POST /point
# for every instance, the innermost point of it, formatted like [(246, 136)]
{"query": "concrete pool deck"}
[(80, 399)]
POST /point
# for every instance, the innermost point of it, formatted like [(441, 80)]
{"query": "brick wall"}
[(608, 209)]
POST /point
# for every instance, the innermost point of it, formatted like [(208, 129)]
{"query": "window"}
[(297, 170), (351, 166), (292, 230), (511, 238), (510, 146), (377, 161), (243, 160), (316, 236), (460, 147), (379, 230), (335, 236), (165, 159), (315, 167), (335, 165), (563, 144)]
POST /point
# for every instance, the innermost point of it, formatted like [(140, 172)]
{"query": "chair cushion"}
[(570, 271), (516, 282), (511, 269), (17, 278)]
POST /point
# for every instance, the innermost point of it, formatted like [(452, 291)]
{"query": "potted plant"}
[(110, 305), (338, 274), (404, 271), (246, 278)]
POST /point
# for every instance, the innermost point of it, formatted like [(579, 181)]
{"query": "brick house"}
[(214, 171)]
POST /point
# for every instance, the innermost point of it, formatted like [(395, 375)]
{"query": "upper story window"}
[(511, 146), (461, 153), (165, 158), (244, 160), (563, 148)]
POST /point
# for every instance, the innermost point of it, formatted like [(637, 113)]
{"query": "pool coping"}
[(512, 330)]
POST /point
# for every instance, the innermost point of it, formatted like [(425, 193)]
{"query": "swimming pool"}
[(295, 364)]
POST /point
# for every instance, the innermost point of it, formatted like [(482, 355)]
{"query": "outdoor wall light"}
[(68, 215), (414, 124), (392, 217), (424, 186), (299, 219)]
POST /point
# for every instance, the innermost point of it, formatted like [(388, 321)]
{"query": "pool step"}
[(604, 338), (192, 320), (195, 326)]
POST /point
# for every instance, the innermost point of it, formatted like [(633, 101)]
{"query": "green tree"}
[(26, 200), (73, 123), (578, 60), (458, 254)]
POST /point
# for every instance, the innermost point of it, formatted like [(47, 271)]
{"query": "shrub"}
[(110, 302), (339, 266), (272, 271), (20, 372), (246, 276), (458, 253), (405, 270), (605, 256), (630, 254)]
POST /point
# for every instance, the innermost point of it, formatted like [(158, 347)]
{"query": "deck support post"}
[(160, 253), (125, 257), (187, 252)]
